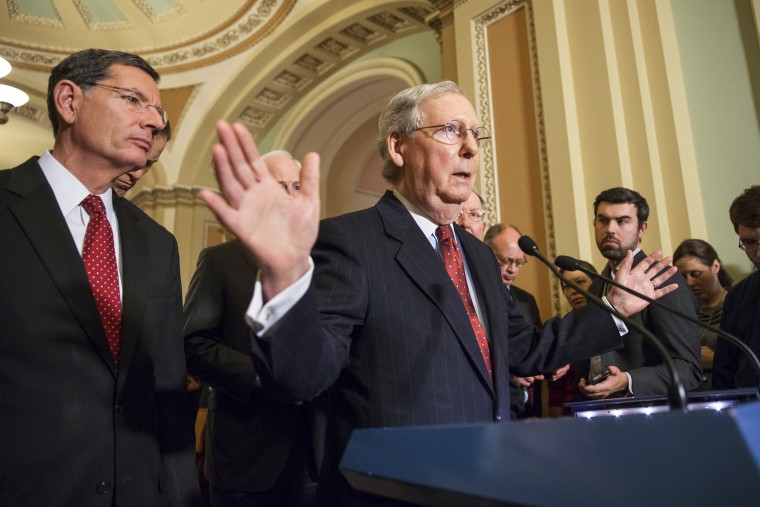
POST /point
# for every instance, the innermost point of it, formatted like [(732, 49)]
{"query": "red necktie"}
[(99, 258), (452, 259)]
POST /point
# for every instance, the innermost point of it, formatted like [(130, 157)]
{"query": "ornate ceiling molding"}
[(300, 74), (225, 34)]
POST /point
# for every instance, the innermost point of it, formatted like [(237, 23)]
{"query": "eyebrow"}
[(602, 215)]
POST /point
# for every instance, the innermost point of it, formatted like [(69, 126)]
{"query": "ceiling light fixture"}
[(5, 67), (10, 96)]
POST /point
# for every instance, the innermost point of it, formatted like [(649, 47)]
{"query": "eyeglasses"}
[(748, 244), (136, 101), (518, 263), (455, 131), (476, 215)]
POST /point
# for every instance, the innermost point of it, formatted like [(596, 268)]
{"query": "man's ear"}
[(395, 149), (66, 98)]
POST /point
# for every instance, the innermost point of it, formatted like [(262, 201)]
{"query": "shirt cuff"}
[(261, 317), (621, 327)]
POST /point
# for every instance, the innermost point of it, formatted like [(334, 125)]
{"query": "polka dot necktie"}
[(99, 258), (452, 259)]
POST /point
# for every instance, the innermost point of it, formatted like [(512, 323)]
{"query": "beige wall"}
[(624, 94)]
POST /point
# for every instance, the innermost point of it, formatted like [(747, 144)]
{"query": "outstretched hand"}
[(645, 278), (276, 228)]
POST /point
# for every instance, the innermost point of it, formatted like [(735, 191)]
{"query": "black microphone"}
[(570, 264), (676, 391)]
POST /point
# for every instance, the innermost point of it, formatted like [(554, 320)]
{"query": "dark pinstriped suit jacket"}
[(383, 327)]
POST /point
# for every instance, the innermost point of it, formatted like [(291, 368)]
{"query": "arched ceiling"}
[(173, 35), (253, 61)]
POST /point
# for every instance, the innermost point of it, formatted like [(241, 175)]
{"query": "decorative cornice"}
[(329, 54), (244, 30)]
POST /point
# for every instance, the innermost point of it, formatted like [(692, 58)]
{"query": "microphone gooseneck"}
[(570, 264), (676, 391)]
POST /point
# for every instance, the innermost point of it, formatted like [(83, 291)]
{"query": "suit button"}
[(118, 408), (104, 487), (498, 417)]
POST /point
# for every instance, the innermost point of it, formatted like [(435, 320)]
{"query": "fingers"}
[(661, 291), (310, 174), (664, 276), (237, 148), (225, 176), (521, 381), (217, 204)]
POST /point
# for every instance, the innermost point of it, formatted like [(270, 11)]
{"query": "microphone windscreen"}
[(527, 245), (566, 263)]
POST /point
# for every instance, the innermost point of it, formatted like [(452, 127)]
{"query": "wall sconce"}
[(10, 97)]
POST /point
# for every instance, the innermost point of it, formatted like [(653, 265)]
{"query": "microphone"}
[(676, 391), (570, 264)]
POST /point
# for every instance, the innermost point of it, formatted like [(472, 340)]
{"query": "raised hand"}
[(277, 229), (645, 278)]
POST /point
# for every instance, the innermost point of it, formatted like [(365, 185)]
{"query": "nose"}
[(470, 147), (153, 119), (464, 220)]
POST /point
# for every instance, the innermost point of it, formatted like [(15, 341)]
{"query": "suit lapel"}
[(134, 253), (38, 214), (425, 268)]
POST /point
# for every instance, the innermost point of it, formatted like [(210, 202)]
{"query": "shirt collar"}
[(68, 190), (423, 221), (614, 270)]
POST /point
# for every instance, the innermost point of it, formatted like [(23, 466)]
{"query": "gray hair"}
[(280, 153), (402, 115)]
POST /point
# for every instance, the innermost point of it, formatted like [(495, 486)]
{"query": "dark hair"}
[(87, 68), (166, 131), (495, 230), (402, 115), (620, 195), (745, 210), (585, 264), (706, 254)]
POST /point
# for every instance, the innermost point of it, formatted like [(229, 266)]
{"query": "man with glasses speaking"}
[(397, 311)]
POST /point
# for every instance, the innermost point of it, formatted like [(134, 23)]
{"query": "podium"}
[(705, 457)]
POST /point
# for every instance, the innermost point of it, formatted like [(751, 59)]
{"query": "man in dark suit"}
[(502, 238), (741, 310), (620, 222), (92, 390), (259, 451), (378, 320)]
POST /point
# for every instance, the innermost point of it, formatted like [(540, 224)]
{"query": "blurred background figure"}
[(698, 262), (562, 383), (260, 452), (472, 217), (741, 310), (502, 238), (126, 181)]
